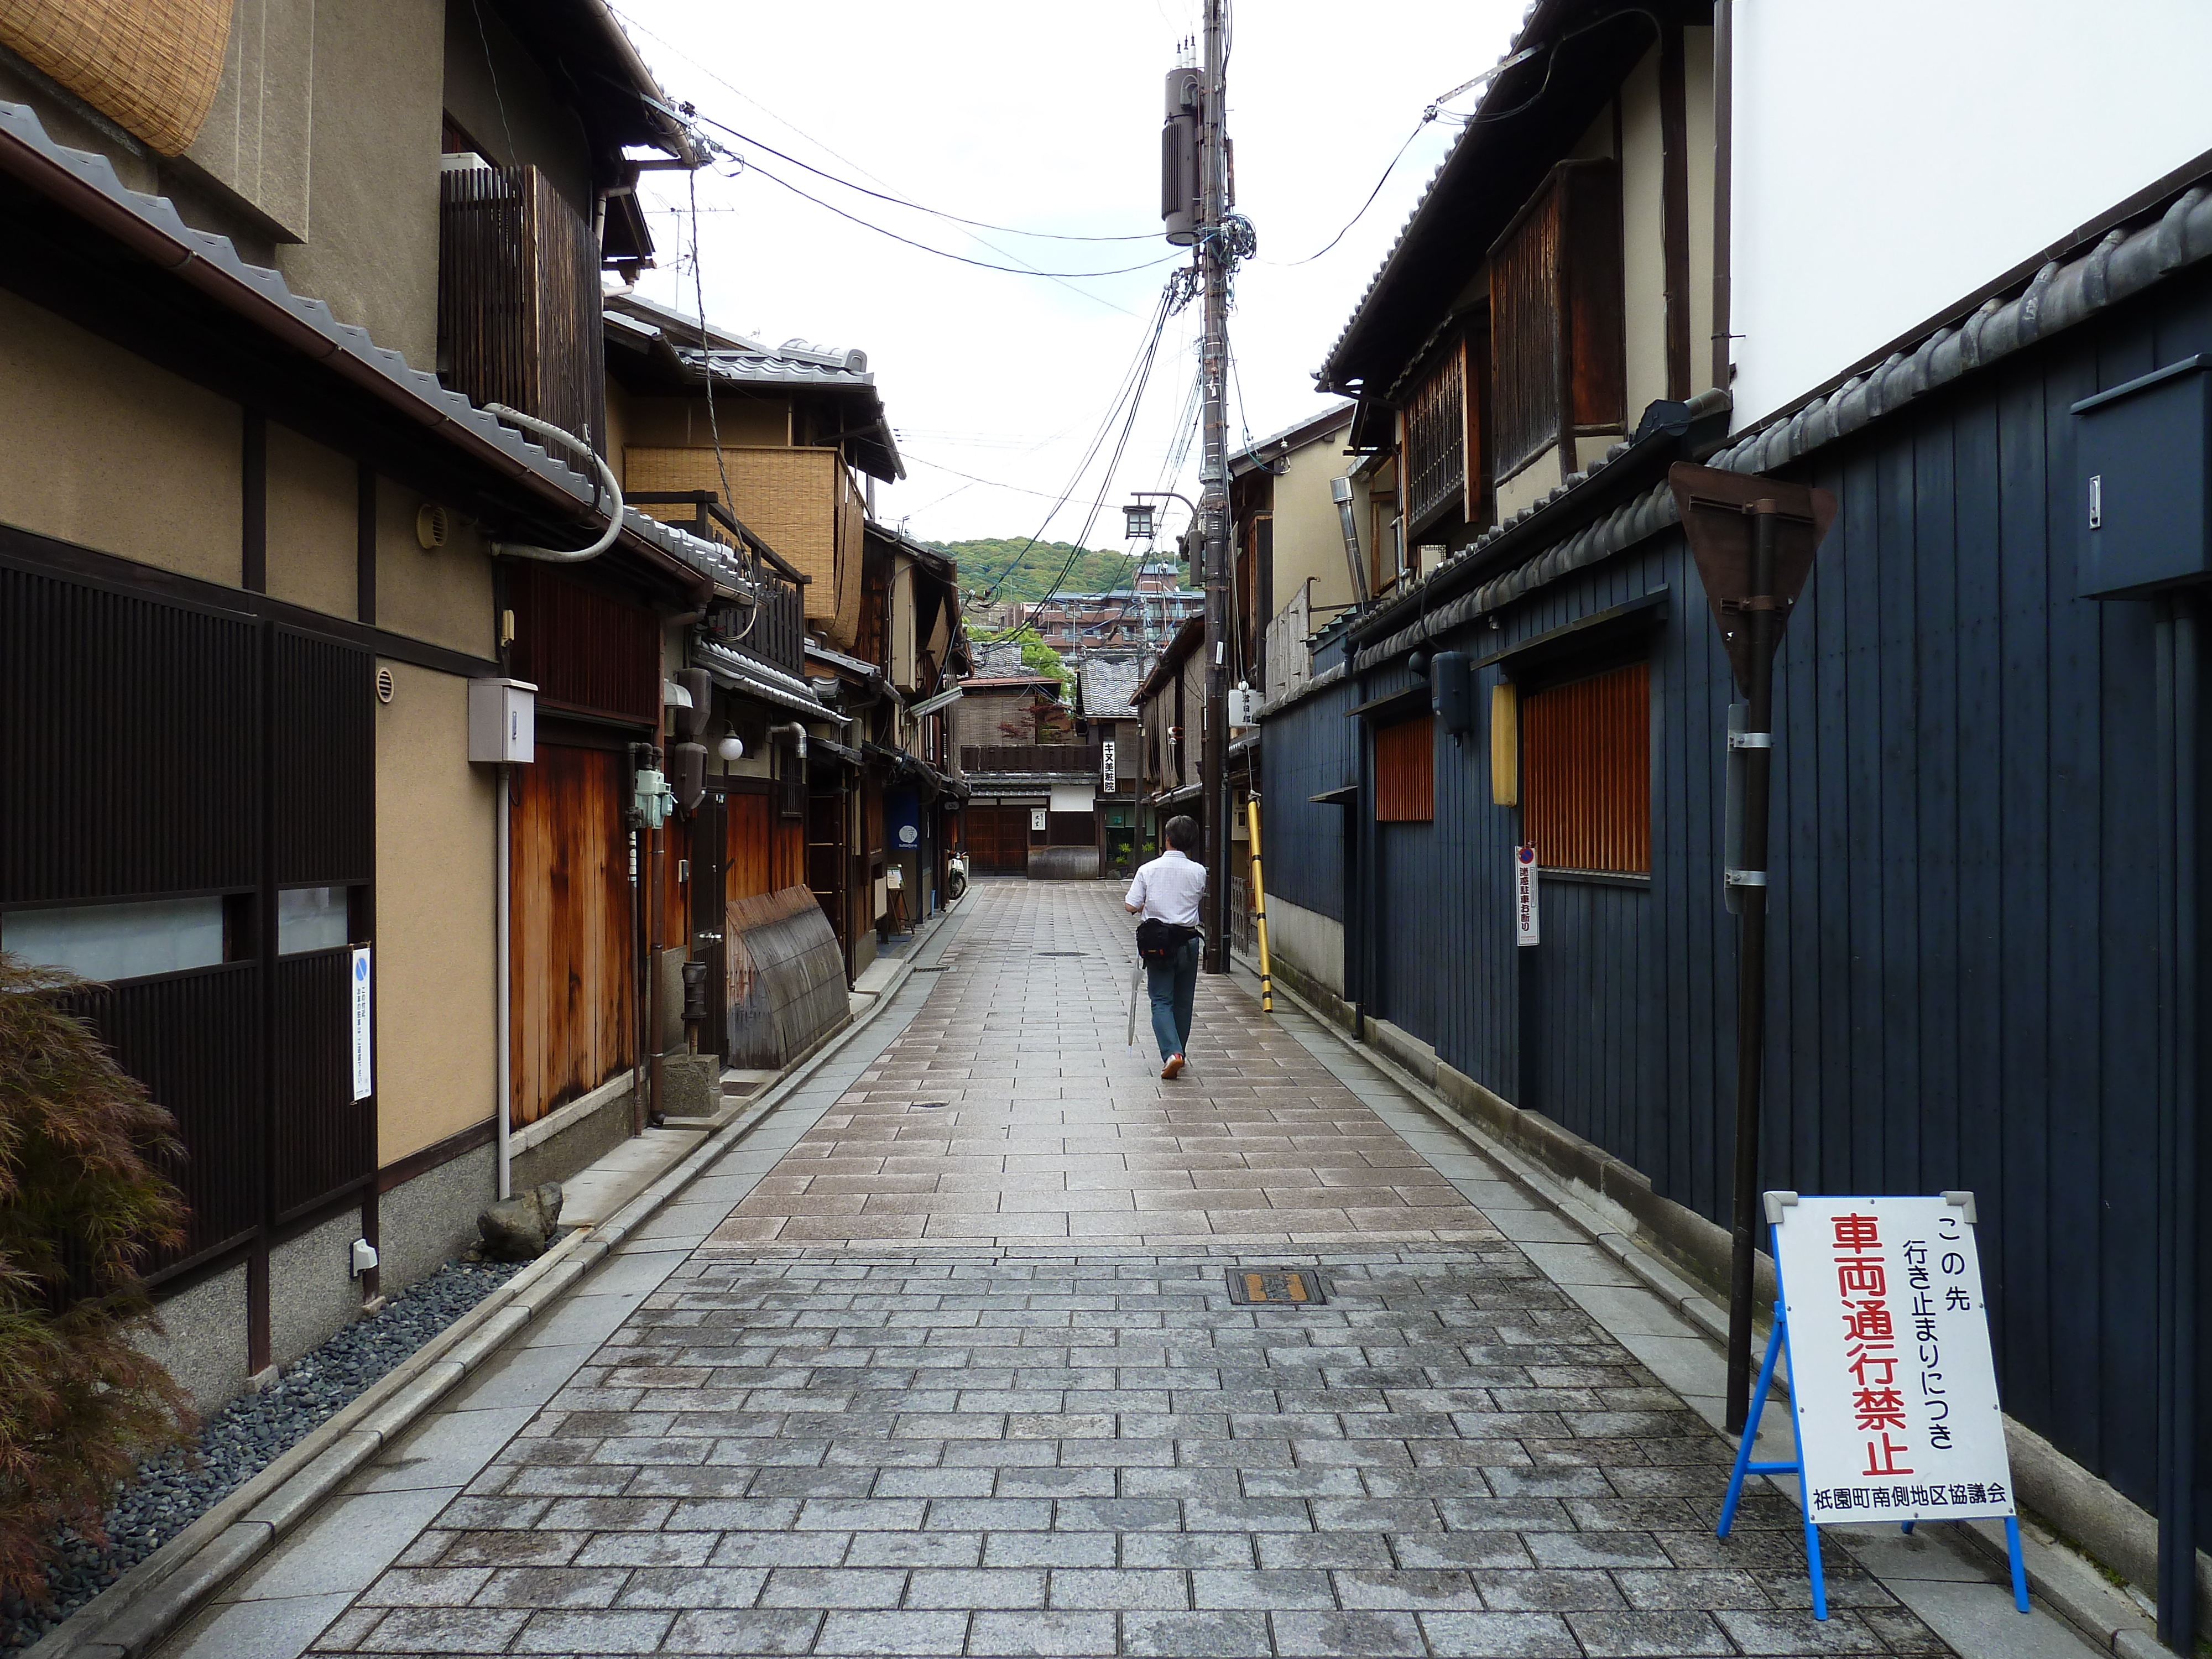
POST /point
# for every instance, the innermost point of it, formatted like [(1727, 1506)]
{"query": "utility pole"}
[(1214, 257)]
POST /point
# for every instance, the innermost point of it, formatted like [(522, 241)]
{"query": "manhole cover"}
[(1060, 953), (1276, 1287)]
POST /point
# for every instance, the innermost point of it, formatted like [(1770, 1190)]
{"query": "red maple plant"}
[(80, 1206)]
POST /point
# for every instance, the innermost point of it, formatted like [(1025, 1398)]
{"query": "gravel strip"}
[(245, 1438)]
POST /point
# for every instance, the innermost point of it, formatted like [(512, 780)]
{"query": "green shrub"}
[(80, 1206)]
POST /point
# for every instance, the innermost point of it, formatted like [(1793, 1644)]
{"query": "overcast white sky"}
[(1047, 117)]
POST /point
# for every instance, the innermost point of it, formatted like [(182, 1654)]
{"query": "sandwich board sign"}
[(1893, 1386)]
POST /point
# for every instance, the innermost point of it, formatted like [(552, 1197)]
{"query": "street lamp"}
[(1137, 521)]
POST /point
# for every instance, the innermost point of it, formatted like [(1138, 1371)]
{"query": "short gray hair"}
[(1183, 833)]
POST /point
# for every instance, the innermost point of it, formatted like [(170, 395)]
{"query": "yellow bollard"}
[(1259, 906)]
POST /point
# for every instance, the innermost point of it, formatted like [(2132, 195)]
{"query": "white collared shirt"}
[(1168, 890)]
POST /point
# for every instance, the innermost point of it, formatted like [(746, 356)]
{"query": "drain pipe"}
[(501, 1129), (798, 734)]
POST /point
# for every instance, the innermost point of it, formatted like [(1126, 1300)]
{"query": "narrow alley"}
[(942, 1359)]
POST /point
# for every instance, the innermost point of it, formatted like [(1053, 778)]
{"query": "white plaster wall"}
[(1307, 940), (1893, 155)]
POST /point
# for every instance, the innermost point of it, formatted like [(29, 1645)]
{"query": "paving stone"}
[(894, 1634), (1228, 1635), (978, 1387)]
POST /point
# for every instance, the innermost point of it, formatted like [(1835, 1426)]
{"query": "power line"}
[(904, 202), (1428, 116), (756, 169), (1131, 379)]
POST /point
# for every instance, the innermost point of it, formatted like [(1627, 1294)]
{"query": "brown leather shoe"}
[(1173, 1065)]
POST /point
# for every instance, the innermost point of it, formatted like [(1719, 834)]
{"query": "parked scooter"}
[(955, 876)]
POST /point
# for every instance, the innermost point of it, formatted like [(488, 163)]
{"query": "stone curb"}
[(146, 1605), (2066, 1581)]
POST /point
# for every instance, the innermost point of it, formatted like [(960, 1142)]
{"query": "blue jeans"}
[(1173, 989)]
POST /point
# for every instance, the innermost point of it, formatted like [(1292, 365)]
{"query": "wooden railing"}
[(1066, 759)]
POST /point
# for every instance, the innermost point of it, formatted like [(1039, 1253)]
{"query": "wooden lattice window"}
[(1405, 771), (1556, 314), (1586, 772), (1435, 438)]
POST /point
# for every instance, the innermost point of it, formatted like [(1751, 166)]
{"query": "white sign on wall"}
[(1890, 1369), (1526, 930), (1037, 820), (364, 1082), (1106, 767)]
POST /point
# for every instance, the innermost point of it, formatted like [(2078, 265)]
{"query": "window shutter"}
[(1586, 772)]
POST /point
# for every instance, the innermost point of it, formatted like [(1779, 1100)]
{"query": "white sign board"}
[(1890, 1369), (1526, 930), (364, 1080), (1106, 767), (1037, 820)]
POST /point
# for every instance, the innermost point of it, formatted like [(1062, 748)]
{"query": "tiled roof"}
[(1466, 136), (2059, 295), (1108, 687), (636, 321), (379, 367)]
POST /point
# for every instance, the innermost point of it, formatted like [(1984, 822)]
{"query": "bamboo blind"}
[(1405, 771), (789, 498), (1586, 773), (154, 65)]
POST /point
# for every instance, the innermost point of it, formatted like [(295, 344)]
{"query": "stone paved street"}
[(960, 1375)]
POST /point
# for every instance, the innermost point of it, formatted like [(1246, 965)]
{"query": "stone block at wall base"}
[(580, 1143), (313, 1294), (426, 1222), (201, 1341)]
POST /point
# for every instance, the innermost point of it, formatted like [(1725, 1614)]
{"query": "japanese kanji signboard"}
[(1526, 923), (1890, 1369)]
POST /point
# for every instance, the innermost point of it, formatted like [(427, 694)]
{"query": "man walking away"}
[(1165, 897)]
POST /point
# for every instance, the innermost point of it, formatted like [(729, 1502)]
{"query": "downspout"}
[(502, 1130), (798, 734), (1724, 171)]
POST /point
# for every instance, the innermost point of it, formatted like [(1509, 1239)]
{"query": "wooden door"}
[(827, 857), (570, 944), (751, 851)]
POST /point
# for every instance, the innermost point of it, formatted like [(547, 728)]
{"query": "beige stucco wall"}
[(99, 448), (1698, 63), (314, 525), (436, 922), (372, 253), (1308, 536), (1643, 235), (257, 142), (445, 596)]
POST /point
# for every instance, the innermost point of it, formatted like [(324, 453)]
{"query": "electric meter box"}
[(2141, 494), (502, 720)]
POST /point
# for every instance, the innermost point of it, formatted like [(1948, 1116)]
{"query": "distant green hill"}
[(983, 562)]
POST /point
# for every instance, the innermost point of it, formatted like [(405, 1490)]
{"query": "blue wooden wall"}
[(1964, 984), (1302, 839)]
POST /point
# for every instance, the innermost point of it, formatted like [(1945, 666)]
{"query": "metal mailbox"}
[(2140, 471)]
